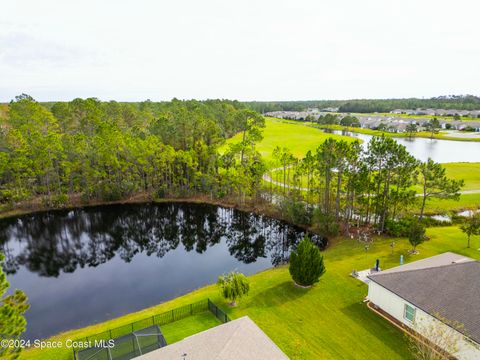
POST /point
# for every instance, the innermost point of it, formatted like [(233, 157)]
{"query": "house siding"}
[(394, 305)]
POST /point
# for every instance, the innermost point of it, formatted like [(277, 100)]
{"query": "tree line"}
[(110, 150), (341, 182), (460, 102)]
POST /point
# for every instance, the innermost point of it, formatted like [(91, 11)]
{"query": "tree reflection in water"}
[(61, 241)]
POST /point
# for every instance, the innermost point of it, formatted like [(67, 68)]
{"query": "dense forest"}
[(110, 151), (467, 102)]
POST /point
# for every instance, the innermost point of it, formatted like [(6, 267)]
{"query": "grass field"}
[(180, 329), (295, 136), (329, 321)]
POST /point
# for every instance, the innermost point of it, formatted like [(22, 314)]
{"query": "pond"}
[(441, 151), (84, 266)]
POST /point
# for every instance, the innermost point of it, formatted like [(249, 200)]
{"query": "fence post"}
[(173, 316), (191, 309)]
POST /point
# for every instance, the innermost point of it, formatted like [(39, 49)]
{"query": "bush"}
[(233, 286), (296, 211), (306, 263), (399, 228), (326, 223), (416, 235)]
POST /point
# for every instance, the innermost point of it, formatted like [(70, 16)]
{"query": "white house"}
[(441, 292)]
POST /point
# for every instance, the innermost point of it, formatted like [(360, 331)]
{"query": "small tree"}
[(433, 126), (411, 129), (471, 226), (416, 235), (12, 321), (233, 286), (306, 263)]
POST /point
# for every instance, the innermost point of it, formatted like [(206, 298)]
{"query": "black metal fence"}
[(215, 310), (158, 319), (125, 347)]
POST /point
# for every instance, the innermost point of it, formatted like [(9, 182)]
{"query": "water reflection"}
[(442, 151), (55, 242), (98, 255)]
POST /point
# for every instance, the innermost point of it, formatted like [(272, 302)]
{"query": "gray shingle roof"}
[(239, 339), (451, 291)]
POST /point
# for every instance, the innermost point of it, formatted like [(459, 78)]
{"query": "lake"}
[(84, 266), (441, 151)]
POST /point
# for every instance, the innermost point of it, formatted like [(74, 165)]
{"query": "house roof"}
[(449, 291), (240, 339), (438, 260)]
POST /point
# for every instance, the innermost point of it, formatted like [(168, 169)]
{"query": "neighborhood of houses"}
[(396, 121)]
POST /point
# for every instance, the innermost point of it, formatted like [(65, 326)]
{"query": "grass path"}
[(329, 321)]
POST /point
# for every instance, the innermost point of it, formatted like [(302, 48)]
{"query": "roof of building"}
[(448, 292), (240, 339), (446, 258)]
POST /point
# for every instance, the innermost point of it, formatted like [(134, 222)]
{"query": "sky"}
[(133, 50)]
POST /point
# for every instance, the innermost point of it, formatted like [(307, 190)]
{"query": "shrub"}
[(306, 263), (416, 235), (233, 286), (326, 223), (296, 211)]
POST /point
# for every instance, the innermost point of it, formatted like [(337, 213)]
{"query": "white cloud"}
[(262, 50)]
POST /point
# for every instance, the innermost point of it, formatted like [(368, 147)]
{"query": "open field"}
[(295, 136), (329, 321), (467, 201), (470, 172)]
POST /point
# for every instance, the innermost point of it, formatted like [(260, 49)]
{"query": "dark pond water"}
[(87, 265), (442, 151)]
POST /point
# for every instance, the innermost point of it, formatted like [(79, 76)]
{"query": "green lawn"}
[(329, 321), (467, 201), (297, 137), (183, 328), (470, 172)]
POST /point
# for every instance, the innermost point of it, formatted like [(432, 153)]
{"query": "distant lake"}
[(85, 266), (441, 151)]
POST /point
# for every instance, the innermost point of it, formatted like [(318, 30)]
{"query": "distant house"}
[(441, 291), (240, 339)]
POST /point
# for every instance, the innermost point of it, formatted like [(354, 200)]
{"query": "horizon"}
[(244, 101)]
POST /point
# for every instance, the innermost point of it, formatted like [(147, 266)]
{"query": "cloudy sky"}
[(248, 50)]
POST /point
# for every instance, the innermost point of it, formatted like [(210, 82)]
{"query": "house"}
[(239, 339), (441, 292)]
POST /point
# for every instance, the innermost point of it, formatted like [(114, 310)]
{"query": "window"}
[(409, 313)]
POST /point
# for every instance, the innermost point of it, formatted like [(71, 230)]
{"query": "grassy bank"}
[(442, 135), (299, 139), (329, 321)]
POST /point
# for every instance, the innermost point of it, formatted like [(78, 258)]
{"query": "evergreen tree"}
[(306, 263), (12, 321)]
